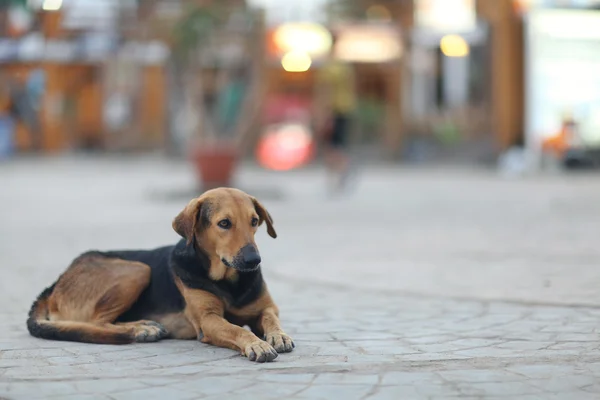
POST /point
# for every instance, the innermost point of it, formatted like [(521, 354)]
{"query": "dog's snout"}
[(250, 256)]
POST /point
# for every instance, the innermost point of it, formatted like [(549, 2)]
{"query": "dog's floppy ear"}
[(264, 215), (185, 223)]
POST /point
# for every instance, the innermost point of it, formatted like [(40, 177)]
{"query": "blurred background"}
[(503, 83)]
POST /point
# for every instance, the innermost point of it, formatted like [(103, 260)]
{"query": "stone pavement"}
[(424, 284)]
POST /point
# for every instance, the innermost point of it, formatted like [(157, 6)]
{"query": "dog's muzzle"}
[(248, 259)]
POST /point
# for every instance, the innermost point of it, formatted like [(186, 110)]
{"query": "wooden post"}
[(51, 109), (395, 127), (152, 106), (507, 96)]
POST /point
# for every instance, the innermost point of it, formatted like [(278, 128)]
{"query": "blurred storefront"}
[(90, 79), (490, 75), (562, 83), (435, 78), (370, 40), (464, 100)]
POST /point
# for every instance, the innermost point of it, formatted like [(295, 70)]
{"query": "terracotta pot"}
[(215, 164)]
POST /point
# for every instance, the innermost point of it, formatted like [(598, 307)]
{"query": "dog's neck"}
[(192, 266), (195, 255), (218, 271)]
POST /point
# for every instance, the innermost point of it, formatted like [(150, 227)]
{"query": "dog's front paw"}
[(280, 341), (149, 331), (260, 351)]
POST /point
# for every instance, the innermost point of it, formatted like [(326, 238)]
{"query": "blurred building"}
[(106, 63), (85, 60), (436, 79), (427, 77)]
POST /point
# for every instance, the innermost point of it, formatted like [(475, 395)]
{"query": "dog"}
[(208, 286)]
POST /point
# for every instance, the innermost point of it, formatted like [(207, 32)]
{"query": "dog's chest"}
[(240, 292)]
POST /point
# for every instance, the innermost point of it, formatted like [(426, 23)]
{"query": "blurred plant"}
[(195, 48), (9, 3), (194, 31)]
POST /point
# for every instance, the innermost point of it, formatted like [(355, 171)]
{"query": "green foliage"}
[(195, 29), (9, 3)]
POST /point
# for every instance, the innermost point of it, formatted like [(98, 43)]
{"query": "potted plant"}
[(216, 64)]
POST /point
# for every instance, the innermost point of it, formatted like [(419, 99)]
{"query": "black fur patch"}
[(162, 295), (33, 326), (192, 266), (205, 214)]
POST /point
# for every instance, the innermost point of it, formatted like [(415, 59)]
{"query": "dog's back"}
[(158, 291)]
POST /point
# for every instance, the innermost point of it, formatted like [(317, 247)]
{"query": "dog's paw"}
[(260, 351), (281, 342), (149, 331)]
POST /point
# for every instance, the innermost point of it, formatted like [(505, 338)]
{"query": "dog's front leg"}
[(274, 334), (217, 331), (205, 311)]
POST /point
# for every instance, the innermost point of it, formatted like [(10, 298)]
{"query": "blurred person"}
[(334, 105), (6, 121), (23, 108)]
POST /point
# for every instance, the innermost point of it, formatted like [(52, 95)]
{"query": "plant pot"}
[(215, 164)]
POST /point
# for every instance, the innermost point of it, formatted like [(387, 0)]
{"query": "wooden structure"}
[(507, 85), (72, 107), (494, 112)]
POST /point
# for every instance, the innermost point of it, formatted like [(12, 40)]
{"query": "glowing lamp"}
[(312, 39), (368, 44), (454, 46), (296, 61), (52, 5)]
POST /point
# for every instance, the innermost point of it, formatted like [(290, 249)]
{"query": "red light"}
[(285, 147)]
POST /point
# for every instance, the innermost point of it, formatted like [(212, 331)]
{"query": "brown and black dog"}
[(207, 286)]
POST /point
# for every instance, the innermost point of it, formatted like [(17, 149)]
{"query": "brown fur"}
[(88, 299), (222, 204), (177, 324)]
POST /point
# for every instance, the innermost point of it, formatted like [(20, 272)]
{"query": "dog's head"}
[(223, 223)]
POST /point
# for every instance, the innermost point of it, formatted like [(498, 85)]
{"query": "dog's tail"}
[(40, 326)]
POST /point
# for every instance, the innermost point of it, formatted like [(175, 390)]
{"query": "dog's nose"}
[(250, 256)]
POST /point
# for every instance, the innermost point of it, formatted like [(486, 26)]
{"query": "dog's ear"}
[(264, 215), (186, 221)]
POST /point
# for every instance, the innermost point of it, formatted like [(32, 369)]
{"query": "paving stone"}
[(422, 284)]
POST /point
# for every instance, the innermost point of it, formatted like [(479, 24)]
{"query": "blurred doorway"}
[(448, 98)]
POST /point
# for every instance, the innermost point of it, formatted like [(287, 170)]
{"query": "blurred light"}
[(454, 46), (368, 44), (285, 146), (445, 15), (378, 13), (296, 61), (523, 6), (52, 5), (571, 24), (312, 39)]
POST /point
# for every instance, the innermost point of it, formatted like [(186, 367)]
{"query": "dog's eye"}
[(225, 224), (254, 221)]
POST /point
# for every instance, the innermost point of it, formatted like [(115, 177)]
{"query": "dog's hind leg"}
[(87, 299)]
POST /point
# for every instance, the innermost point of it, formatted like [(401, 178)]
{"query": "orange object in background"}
[(286, 146), (563, 140), (555, 144)]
